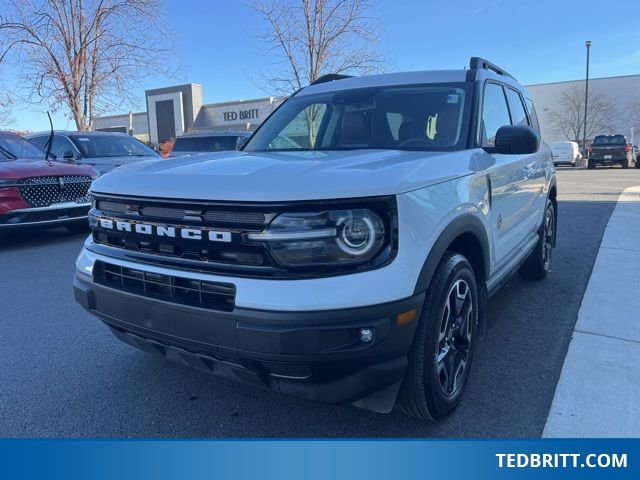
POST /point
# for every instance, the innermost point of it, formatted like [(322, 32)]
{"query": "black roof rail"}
[(477, 63), (329, 77)]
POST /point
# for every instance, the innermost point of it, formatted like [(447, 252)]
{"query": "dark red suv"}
[(39, 193)]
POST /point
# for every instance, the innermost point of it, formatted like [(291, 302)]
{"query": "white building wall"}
[(242, 115), (621, 90), (140, 123)]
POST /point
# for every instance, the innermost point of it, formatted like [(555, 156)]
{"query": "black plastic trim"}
[(333, 365), (461, 225), (385, 206)]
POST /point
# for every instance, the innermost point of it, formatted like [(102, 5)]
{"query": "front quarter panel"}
[(425, 216)]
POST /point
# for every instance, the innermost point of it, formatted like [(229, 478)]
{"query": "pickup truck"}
[(609, 150)]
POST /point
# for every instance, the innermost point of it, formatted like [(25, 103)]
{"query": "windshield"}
[(609, 139), (14, 146), (432, 117), (206, 144), (100, 146)]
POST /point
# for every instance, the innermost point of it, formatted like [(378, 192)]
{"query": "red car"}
[(38, 193)]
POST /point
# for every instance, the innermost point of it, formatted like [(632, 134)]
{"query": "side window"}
[(518, 114), (60, 146), (532, 114), (495, 114), (40, 142)]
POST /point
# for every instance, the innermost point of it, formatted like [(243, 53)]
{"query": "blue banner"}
[(319, 459)]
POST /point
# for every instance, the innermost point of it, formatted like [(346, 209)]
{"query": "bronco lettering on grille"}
[(165, 230)]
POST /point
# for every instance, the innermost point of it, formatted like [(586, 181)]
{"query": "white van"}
[(565, 153)]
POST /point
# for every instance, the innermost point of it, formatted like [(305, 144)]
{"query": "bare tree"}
[(568, 116), (6, 103), (87, 55), (316, 37), (633, 114)]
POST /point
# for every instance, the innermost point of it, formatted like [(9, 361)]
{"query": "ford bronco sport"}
[(345, 255)]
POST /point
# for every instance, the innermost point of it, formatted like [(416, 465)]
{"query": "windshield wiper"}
[(8, 153)]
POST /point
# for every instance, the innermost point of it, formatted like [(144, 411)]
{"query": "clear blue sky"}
[(539, 41)]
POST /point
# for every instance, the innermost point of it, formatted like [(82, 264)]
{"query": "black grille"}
[(44, 215), (207, 214), (203, 217), (185, 291), (45, 191)]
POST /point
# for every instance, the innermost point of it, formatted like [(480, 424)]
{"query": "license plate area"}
[(607, 157)]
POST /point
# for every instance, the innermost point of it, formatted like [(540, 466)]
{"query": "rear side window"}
[(518, 114), (495, 114), (206, 144), (532, 114)]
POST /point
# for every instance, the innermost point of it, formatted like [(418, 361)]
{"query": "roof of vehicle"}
[(410, 78), (217, 133), (71, 132)]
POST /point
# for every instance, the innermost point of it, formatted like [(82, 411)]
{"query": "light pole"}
[(586, 101)]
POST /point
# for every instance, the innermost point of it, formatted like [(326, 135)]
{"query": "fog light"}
[(366, 335)]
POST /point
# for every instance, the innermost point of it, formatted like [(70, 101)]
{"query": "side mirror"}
[(68, 155), (515, 140)]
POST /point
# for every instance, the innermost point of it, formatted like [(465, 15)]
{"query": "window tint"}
[(205, 144), (495, 114), (532, 114), (612, 139), (518, 114), (40, 142), (14, 146), (433, 117), (60, 146), (113, 145)]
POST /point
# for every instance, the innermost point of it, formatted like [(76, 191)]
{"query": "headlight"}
[(326, 238)]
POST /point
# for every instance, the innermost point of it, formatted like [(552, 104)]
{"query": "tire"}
[(590, 165), (625, 164), (637, 162), (78, 228), (538, 264), (429, 390)]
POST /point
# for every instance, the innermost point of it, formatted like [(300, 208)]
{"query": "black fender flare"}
[(466, 223)]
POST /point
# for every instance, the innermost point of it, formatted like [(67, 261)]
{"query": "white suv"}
[(345, 255)]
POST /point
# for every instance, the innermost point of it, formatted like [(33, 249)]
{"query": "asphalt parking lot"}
[(63, 374)]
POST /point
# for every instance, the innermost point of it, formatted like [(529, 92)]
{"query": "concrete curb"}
[(598, 394)]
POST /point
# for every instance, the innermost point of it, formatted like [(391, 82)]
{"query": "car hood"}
[(35, 167), (117, 161), (184, 154), (106, 164), (271, 176)]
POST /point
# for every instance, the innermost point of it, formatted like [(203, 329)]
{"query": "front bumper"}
[(58, 215), (317, 355)]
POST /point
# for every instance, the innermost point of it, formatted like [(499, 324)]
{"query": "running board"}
[(501, 276)]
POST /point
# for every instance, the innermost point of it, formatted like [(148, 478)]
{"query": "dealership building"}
[(173, 111)]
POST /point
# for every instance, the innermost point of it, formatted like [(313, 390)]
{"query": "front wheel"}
[(538, 264), (442, 351), (591, 165)]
